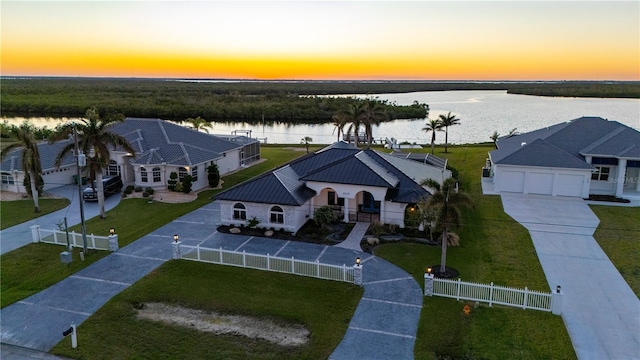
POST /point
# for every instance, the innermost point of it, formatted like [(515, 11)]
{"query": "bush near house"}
[(173, 181), (186, 184), (213, 175)]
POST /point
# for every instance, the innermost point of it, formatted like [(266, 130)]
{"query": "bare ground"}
[(290, 335)]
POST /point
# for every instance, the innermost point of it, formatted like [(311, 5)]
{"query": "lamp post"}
[(81, 160)]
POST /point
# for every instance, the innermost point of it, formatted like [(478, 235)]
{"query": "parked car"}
[(110, 184)]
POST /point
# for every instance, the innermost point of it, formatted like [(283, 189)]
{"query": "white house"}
[(589, 155), (360, 185)]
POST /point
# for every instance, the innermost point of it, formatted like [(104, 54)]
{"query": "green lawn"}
[(113, 332), (18, 211)]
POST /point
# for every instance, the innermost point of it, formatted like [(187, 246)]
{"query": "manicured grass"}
[(33, 268), (619, 236), (323, 307), (18, 211)]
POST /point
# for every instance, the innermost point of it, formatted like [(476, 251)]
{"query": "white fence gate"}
[(494, 294), (270, 263), (59, 237)]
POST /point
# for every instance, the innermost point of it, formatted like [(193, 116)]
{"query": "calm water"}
[(480, 112)]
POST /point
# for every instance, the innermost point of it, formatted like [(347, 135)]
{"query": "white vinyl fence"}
[(270, 263), (59, 237), (494, 294)]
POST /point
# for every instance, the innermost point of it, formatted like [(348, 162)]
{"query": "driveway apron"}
[(599, 309), (384, 325)]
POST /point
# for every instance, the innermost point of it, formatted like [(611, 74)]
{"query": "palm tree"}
[(352, 115), (94, 136), (306, 141), (200, 124), (445, 122), (373, 113), (31, 165), (432, 125), (494, 137), (338, 124), (446, 201)]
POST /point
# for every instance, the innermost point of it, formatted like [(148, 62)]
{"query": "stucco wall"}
[(294, 216)]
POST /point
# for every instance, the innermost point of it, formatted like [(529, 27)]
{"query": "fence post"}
[(35, 233), (268, 262), (556, 301), (526, 296), (458, 290), (198, 251), (177, 252), (93, 241), (428, 284), (244, 259), (318, 268), (491, 295), (357, 274), (73, 236), (293, 267), (113, 242)]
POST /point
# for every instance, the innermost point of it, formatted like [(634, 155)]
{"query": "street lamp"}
[(112, 231), (358, 261), (81, 160), (176, 237)]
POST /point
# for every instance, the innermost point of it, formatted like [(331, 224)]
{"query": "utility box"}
[(66, 257)]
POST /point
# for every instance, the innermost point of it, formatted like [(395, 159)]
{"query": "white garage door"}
[(570, 185), (512, 181), (540, 183)]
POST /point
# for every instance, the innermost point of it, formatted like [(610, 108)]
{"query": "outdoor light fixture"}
[(358, 261), (429, 270), (558, 289), (175, 237), (112, 231)]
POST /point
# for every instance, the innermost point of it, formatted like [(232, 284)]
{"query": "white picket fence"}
[(59, 237), (493, 294), (270, 263)]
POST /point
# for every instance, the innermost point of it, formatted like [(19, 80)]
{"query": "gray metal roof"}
[(566, 144), (48, 153)]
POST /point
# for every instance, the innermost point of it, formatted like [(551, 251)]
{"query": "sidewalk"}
[(20, 235), (384, 324)]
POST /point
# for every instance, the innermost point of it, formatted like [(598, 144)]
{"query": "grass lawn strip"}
[(18, 211)]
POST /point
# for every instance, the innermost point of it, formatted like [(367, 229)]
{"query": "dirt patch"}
[(12, 196), (290, 335), (295, 149)]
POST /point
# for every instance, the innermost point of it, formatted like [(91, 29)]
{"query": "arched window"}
[(156, 175), (194, 173), (182, 172), (144, 175), (113, 168), (239, 212), (276, 215)]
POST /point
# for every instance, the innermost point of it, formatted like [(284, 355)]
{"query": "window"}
[(601, 174), (182, 172), (194, 173), (7, 179), (113, 168), (239, 212), (276, 215), (144, 175), (331, 198), (156, 175)]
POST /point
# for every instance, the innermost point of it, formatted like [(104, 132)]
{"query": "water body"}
[(480, 113)]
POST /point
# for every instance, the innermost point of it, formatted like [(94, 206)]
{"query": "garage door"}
[(570, 185), (540, 183), (512, 181)]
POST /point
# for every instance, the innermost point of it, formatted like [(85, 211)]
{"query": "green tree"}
[(323, 216), (352, 115), (373, 113), (432, 125), (173, 181), (94, 139), (445, 122), (31, 165), (306, 141), (338, 124), (200, 124), (213, 175), (187, 183), (446, 203)]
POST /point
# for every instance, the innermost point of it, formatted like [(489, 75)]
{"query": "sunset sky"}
[(422, 40)]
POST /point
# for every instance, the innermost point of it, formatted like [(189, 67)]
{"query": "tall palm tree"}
[(446, 201), (338, 124), (352, 115), (373, 113), (31, 165), (94, 135), (200, 124), (432, 125), (494, 137), (445, 122)]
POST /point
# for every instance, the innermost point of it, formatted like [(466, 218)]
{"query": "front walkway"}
[(354, 238), (599, 309), (384, 325)]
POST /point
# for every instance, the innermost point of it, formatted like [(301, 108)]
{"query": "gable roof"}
[(338, 163), (157, 141), (565, 145)]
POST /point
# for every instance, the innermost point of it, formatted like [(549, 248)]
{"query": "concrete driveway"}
[(599, 309), (20, 235)]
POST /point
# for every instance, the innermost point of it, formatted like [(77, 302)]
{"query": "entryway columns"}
[(620, 173), (346, 210)]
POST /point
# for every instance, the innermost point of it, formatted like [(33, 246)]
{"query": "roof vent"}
[(523, 144)]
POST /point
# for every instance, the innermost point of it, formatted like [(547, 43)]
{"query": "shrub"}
[(253, 222), (186, 184), (323, 216), (149, 190), (138, 189), (173, 181), (145, 194), (129, 189), (178, 187), (213, 175)]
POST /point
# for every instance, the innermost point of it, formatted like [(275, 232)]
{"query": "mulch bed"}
[(609, 198)]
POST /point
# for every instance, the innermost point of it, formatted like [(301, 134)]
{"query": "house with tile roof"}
[(161, 148), (588, 155), (360, 185)]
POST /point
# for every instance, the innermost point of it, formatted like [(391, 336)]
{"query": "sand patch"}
[(290, 335)]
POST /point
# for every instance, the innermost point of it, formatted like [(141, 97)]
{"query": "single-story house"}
[(161, 148), (588, 155), (360, 185)]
